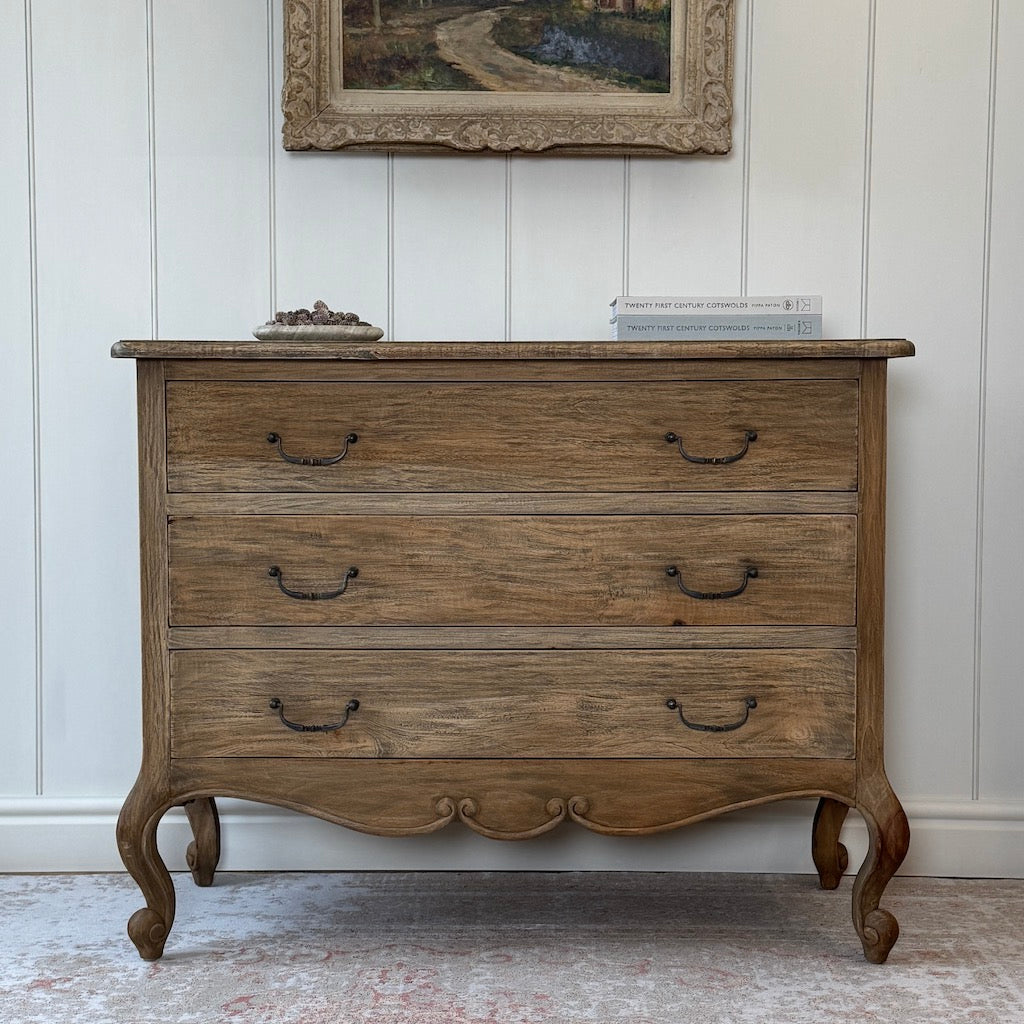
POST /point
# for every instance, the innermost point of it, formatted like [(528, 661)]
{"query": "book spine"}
[(709, 328), (723, 305)]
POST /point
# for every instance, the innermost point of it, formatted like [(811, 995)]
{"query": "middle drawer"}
[(512, 570)]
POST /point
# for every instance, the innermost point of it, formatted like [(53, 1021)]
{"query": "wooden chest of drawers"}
[(512, 585)]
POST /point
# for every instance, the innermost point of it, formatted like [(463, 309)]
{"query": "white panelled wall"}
[(877, 158)]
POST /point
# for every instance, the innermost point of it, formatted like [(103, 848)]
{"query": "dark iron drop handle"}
[(720, 460), (750, 573), (312, 595), (749, 703), (277, 705), (307, 460)]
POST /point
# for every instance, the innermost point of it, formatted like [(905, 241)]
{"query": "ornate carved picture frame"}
[(448, 90)]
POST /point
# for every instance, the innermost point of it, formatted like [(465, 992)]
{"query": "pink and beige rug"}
[(509, 948)]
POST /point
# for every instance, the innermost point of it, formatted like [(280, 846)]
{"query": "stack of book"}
[(703, 318)]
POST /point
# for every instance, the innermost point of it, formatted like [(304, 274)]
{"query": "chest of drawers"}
[(399, 586)]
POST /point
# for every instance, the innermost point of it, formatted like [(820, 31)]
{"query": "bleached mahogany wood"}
[(511, 570), (830, 856), (596, 369), (485, 704), (512, 796), (150, 797), (203, 852), (562, 436), (513, 651), (506, 502), (887, 823), (514, 350), (497, 637)]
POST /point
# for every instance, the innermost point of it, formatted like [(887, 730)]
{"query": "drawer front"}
[(512, 570), (501, 704), (561, 436)]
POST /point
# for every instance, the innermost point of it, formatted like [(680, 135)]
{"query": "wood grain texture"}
[(487, 704), (149, 798), (497, 637), (871, 569), (203, 852), (623, 797), (591, 367), (830, 856), (507, 660), (888, 348), (512, 570), (511, 437), (422, 503)]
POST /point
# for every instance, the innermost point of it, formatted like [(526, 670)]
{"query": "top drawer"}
[(545, 436)]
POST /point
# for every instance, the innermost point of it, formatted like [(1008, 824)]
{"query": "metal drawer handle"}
[(277, 705), (312, 595), (750, 573), (721, 460), (749, 703), (306, 460)]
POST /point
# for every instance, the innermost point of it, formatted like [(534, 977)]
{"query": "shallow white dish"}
[(318, 332)]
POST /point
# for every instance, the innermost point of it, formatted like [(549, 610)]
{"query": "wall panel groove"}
[(21, 650), (37, 531), (1000, 761), (869, 118), (979, 553), (154, 267), (271, 161)]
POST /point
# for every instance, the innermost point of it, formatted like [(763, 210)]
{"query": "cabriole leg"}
[(203, 852), (889, 836), (136, 841), (830, 856)]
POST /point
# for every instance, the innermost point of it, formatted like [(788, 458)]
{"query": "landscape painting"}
[(510, 46), (573, 77)]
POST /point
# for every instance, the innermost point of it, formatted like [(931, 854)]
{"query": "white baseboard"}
[(952, 839)]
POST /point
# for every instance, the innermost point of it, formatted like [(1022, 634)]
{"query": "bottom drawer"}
[(501, 704)]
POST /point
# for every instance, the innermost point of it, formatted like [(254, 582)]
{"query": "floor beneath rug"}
[(509, 948)]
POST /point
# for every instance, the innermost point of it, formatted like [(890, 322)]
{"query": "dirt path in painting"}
[(465, 43)]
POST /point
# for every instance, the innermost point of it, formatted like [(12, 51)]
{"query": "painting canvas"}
[(547, 46), (640, 76)]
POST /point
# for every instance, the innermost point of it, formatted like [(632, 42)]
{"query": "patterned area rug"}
[(509, 948)]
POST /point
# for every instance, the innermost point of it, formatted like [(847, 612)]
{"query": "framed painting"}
[(527, 76)]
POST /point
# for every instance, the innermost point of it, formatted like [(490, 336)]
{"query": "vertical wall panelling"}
[(144, 191), (330, 220), (806, 155), (1002, 639), (449, 248), (685, 215), (92, 202), (926, 261), (18, 439), (213, 231), (566, 247)]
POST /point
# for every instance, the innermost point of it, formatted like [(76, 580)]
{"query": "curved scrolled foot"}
[(881, 930), (146, 928), (203, 852), (136, 842), (889, 840), (831, 858)]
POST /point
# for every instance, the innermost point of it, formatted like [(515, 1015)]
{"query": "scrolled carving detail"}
[(468, 809), (148, 930)]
